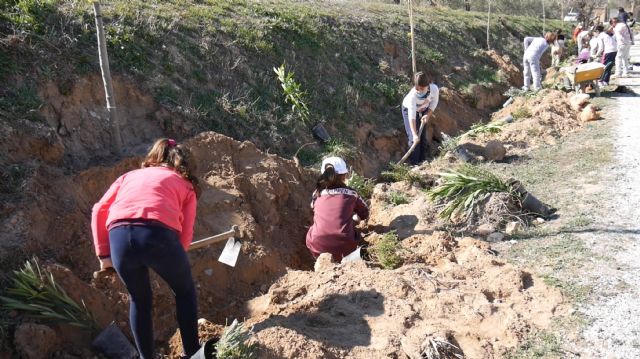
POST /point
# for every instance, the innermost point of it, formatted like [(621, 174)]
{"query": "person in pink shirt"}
[(334, 204), (145, 220)]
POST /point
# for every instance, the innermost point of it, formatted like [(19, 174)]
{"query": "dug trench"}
[(448, 288)]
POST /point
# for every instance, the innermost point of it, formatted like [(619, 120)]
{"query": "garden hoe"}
[(114, 344)]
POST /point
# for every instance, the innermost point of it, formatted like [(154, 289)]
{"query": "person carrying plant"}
[(145, 220), (534, 48), (334, 204), (417, 107)]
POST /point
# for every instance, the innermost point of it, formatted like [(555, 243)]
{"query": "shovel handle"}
[(233, 232)]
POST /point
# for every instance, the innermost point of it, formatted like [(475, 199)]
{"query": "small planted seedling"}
[(233, 343), (386, 251)]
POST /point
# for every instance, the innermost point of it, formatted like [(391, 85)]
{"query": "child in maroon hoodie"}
[(333, 230)]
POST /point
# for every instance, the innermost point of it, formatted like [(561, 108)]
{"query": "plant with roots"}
[(36, 294), (440, 348), (460, 191), (293, 94), (233, 343)]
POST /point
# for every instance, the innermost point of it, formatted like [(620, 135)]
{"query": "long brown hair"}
[(166, 152), (329, 179)]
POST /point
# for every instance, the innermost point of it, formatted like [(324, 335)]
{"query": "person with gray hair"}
[(534, 49)]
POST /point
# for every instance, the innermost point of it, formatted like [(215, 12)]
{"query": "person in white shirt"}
[(609, 52), (581, 39), (417, 107), (534, 48), (557, 48), (594, 45), (624, 40)]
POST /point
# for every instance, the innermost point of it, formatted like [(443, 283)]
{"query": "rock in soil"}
[(494, 151), (513, 228), (579, 101), (323, 263), (590, 113), (495, 237), (35, 341), (485, 229)]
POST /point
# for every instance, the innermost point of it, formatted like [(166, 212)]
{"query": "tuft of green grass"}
[(398, 173), (461, 190), (362, 185), (336, 147), (233, 343), (542, 344), (479, 128), (37, 295), (397, 198), (520, 113), (386, 251)]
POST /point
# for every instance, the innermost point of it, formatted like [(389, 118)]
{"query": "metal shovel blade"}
[(229, 255), (353, 256)]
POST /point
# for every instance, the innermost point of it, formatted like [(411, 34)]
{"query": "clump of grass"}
[(233, 343), (542, 344), (460, 191), (293, 94), (520, 113), (516, 92), (402, 172), (449, 144), (397, 198), (362, 185), (385, 250), (36, 294), (336, 147), (491, 127)]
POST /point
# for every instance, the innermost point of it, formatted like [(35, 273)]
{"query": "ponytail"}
[(329, 179)]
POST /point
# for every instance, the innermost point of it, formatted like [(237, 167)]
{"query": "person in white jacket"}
[(417, 107), (624, 40), (534, 48)]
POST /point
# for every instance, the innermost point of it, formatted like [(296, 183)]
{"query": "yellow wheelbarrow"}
[(580, 76)]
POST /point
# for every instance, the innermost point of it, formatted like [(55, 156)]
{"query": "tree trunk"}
[(106, 79)]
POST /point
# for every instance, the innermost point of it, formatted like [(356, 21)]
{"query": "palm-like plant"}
[(491, 127), (233, 343), (460, 191), (36, 294)]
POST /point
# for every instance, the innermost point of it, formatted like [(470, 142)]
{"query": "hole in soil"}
[(527, 280), (489, 295)]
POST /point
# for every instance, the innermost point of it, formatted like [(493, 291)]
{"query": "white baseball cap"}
[(337, 163)]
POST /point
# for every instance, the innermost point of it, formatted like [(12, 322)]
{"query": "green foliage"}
[(293, 94), (520, 113), (491, 127), (37, 295), (362, 185), (397, 198), (386, 251), (233, 343), (22, 101), (460, 191), (542, 344), (336, 147), (402, 172), (28, 15)]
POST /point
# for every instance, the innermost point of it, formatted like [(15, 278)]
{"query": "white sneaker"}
[(525, 88)]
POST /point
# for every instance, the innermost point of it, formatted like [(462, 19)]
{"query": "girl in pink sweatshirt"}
[(333, 230), (145, 220)]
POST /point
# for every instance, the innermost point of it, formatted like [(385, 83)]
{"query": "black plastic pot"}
[(534, 205), (207, 351), (114, 344), (320, 133)]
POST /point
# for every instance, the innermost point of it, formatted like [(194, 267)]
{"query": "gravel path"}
[(614, 307)]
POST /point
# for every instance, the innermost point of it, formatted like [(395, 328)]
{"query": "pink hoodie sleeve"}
[(99, 216), (189, 217)]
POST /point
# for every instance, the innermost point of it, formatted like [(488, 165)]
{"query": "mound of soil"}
[(358, 311)]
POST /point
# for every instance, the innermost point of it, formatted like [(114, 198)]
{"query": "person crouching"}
[(334, 204)]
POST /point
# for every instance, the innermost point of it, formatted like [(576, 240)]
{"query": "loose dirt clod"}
[(35, 341)]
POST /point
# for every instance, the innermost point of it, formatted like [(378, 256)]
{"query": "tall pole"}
[(413, 46), (488, 24), (562, 11), (544, 18), (106, 79)]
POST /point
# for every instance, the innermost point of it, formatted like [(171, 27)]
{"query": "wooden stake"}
[(413, 46), (488, 24), (544, 18), (106, 79)]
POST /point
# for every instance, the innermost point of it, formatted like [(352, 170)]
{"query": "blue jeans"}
[(135, 249), (417, 155)]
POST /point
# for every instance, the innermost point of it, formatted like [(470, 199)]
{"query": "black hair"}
[(329, 179)]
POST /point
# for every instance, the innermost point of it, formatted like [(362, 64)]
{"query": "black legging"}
[(135, 249), (609, 61)]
